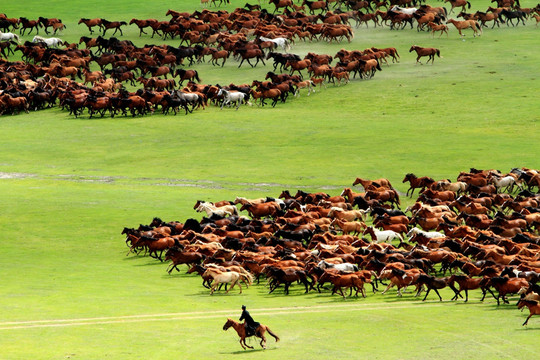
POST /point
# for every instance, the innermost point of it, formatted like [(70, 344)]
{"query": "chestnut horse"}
[(534, 308), (259, 210), (430, 52), (241, 331), (90, 23), (417, 182), (377, 183), (465, 24), (434, 27), (281, 4), (458, 3), (247, 54), (190, 75)]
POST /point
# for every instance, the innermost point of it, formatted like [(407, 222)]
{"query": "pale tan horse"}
[(227, 277), (465, 24)]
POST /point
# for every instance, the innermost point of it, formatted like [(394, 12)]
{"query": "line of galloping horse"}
[(480, 232), (48, 74)]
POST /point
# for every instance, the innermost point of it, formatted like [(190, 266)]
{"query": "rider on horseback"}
[(250, 324)]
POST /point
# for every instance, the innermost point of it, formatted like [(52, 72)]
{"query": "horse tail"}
[(378, 67), (248, 277), (197, 76), (479, 27), (271, 333), (468, 3)]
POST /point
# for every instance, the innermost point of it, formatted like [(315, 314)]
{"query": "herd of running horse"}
[(54, 71), (478, 232)]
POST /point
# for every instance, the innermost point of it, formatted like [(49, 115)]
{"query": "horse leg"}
[(213, 288), (240, 286), (250, 347), (263, 342), (526, 321), (388, 287), (437, 291)]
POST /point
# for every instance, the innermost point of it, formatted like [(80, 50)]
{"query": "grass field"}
[(70, 185)]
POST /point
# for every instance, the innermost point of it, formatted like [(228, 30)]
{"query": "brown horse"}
[(13, 103), (29, 24), (297, 65), (347, 227), (465, 283), (281, 4), (430, 52), (534, 308), (90, 23), (141, 23), (247, 54), (377, 183), (189, 75), (465, 24), (417, 182), (506, 286), (458, 3), (315, 5), (241, 331), (116, 25), (218, 54), (434, 27), (266, 93), (259, 210)]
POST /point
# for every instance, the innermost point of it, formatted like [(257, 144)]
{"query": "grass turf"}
[(63, 257)]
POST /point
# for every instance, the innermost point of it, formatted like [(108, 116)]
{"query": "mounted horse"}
[(241, 331)]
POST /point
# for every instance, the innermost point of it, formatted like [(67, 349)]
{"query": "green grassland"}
[(68, 186)]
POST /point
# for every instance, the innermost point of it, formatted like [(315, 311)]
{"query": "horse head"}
[(228, 324)]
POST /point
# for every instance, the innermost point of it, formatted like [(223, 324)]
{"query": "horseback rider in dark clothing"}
[(250, 324)]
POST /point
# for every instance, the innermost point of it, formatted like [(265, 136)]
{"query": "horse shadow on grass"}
[(248, 352)]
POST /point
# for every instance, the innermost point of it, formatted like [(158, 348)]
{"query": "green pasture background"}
[(68, 186)]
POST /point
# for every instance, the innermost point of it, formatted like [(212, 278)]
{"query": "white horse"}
[(193, 99), (220, 211), (408, 11), (507, 182), (50, 42), (282, 42), (229, 97), (379, 236), (9, 36), (346, 267), (427, 234)]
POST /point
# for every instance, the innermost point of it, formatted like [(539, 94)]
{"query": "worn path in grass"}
[(11, 325)]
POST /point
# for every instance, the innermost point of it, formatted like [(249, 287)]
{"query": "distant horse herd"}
[(479, 232), (55, 72)]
